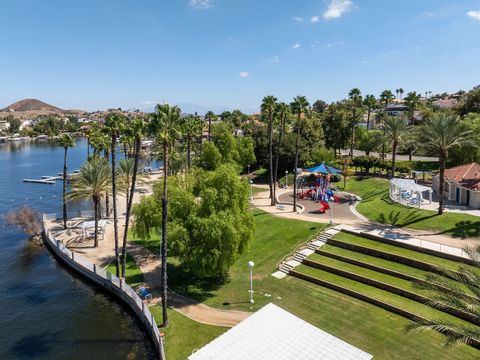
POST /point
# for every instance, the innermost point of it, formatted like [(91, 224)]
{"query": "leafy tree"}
[(395, 128), (225, 142), (319, 106), (192, 127), (211, 158), (299, 107), (245, 150), (471, 102), (93, 183), (14, 124), (441, 133), (67, 142), (268, 108), (368, 141), (369, 102), (336, 126), (450, 290)]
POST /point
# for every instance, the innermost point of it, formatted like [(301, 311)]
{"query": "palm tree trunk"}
[(410, 155), (368, 119), (353, 133), (277, 156), (394, 151), (441, 186), (114, 204), (107, 196), (96, 205), (65, 188), (297, 145), (188, 151), (163, 250), (88, 148), (129, 203), (270, 157)]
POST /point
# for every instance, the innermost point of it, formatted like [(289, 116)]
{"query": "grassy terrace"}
[(133, 276), (369, 327), (434, 260), (377, 206)]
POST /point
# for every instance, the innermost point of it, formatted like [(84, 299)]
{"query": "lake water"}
[(46, 311)]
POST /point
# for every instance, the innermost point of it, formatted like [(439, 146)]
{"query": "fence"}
[(106, 280)]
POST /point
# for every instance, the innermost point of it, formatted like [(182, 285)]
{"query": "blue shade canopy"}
[(324, 169)]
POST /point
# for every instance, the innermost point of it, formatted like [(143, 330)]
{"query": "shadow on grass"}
[(464, 230)]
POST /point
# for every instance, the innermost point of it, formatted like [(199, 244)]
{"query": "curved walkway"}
[(150, 266)]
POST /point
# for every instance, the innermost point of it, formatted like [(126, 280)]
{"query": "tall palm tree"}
[(355, 96), (299, 107), (93, 182), (268, 108), (395, 128), (450, 290), (370, 103), (67, 142), (210, 116), (386, 98), (166, 121), (440, 133), (192, 127), (401, 91), (282, 111), (129, 169), (412, 100), (114, 123)]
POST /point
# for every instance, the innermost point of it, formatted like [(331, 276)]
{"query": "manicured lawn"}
[(257, 189), (134, 276), (366, 326), (183, 335), (433, 260), (377, 206)]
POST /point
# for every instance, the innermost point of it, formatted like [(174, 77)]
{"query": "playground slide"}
[(324, 207)]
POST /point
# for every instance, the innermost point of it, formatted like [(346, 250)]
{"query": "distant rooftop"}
[(467, 175), (273, 333)]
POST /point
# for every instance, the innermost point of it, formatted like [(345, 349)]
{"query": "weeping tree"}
[(67, 142)]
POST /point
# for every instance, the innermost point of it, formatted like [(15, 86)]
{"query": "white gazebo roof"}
[(409, 185), (273, 333)]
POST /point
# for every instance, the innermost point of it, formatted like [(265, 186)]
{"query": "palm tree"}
[(192, 127), (299, 107), (395, 128), (355, 97), (397, 91), (450, 290), (129, 169), (210, 116), (440, 133), (166, 120), (282, 112), (370, 103), (401, 91), (412, 100), (268, 108), (386, 98), (67, 142), (93, 182), (113, 124)]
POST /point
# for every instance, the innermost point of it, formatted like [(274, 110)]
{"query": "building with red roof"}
[(462, 184)]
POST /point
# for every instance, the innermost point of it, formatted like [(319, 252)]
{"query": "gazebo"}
[(407, 192)]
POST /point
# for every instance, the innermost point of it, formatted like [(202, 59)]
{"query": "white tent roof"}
[(408, 184), (273, 333)]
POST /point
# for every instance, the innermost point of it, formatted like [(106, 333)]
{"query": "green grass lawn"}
[(183, 335), (134, 276), (377, 206), (257, 189), (366, 326), (433, 260)]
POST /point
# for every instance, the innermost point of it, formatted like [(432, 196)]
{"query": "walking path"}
[(149, 263)]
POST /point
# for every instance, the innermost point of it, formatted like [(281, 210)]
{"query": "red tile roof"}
[(467, 175)]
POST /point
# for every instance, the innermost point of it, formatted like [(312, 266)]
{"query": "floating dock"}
[(40, 181)]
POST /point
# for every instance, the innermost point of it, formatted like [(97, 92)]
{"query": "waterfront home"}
[(4, 125), (462, 184)]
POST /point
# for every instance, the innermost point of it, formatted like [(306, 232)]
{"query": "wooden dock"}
[(40, 181)]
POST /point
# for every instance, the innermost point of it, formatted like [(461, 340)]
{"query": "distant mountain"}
[(31, 105)]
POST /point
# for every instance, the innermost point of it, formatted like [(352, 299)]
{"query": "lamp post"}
[(331, 200), (286, 179), (251, 264)]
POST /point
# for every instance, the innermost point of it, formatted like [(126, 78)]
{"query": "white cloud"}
[(150, 102), (317, 45), (201, 4), (275, 59), (314, 19), (243, 74), (298, 18), (336, 8), (295, 46), (474, 14)]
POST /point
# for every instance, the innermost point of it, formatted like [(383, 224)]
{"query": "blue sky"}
[(95, 54)]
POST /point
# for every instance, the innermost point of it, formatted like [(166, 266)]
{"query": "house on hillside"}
[(396, 109), (462, 184)]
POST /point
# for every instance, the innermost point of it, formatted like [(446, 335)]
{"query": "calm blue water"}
[(47, 312)]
